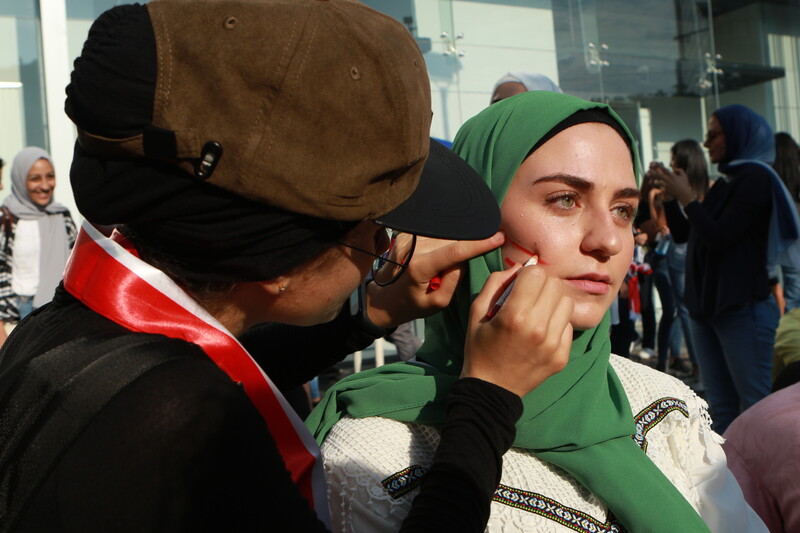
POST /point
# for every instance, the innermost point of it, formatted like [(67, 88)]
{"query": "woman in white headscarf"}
[(520, 81), (35, 239)]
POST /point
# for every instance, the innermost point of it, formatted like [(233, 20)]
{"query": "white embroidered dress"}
[(374, 467)]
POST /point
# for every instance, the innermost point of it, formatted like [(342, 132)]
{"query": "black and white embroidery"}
[(405, 481), (653, 414)]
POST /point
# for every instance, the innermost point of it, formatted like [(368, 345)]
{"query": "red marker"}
[(435, 283), (500, 301)]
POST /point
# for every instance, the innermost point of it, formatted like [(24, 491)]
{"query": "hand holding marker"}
[(500, 301)]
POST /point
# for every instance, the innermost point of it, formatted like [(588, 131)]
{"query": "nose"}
[(382, 240), (603, 236)]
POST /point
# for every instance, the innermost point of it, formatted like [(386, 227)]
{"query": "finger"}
[(539, 308), (561, 328), (566, 344), (450, 255), (449, 278), (526, 292), (491, 291), (401, 246), (428, 244)]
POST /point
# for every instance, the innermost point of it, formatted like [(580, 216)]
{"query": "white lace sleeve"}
[(373, 467), (722, 503)]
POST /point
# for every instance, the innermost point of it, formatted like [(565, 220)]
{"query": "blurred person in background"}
[(787, 165), (687, 159), (728, 293), (36, 236), (520, 81)]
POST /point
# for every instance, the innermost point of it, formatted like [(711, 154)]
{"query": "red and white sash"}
[(109, 278)]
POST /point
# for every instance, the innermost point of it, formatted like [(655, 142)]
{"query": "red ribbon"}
[(109, 278)]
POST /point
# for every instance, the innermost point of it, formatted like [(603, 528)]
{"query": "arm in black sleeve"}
[(292, 355), (750, 198), (457, 491), (676, 220)]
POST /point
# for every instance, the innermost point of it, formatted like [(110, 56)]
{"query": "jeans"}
[(24, 305), (624, 332), (791, 287), (676, 261), (647, 305), (665, 294), (734, 352)]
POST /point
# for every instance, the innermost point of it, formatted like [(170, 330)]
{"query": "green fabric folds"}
[(578, 419)]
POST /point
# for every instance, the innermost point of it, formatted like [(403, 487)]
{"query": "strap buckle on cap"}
[(209, 157)]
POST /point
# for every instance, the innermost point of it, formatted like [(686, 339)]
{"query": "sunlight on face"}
[(572, 202), (40, 182)]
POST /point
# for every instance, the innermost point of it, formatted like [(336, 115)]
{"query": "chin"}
[(588, 314), (581, 321)]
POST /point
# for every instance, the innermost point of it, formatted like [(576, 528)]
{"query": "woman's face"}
[(572, 203), (715, 140), (507, 90), (40, 182), (327, 281)]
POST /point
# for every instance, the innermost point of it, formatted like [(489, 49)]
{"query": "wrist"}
[(374, 312), (369, 319)]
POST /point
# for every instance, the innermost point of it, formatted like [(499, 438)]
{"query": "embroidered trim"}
[(549, 508), (405, 481), (653, 414)]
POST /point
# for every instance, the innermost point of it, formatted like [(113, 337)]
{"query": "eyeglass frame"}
[(382, 259)]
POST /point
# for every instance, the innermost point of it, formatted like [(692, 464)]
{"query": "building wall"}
[(471, 44), (498, 37)]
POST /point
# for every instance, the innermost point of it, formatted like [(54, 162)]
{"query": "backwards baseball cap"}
[(318, 107)]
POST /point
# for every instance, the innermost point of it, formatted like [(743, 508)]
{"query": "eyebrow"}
[(585, 185)]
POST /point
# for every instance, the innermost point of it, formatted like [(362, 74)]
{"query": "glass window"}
[(663, 66), (21, 87)]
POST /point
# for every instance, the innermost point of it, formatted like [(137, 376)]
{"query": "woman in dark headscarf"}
[(787, 165), (564, 172), (36, 237), (733, 234)]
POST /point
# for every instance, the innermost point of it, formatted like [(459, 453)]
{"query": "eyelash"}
[(629, 210)]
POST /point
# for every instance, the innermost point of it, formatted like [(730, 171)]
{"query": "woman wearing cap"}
[(35, 239), (733, 234), (242, 195), (606, 444)]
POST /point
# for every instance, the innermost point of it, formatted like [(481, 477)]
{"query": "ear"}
[(277, 286)]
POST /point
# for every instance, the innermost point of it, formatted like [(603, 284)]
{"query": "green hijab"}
[(578, 419)]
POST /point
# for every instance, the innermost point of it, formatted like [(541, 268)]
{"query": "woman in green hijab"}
[(603, 445)]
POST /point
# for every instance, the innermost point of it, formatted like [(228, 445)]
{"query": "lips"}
[(591, 283), (42, 197)]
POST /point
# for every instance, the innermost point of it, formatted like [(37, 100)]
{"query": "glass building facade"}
[(664, 65)]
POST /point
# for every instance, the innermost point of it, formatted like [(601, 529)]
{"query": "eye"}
[(563, 200), (625, 211)]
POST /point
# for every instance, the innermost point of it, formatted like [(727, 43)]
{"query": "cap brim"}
[(450, 202)]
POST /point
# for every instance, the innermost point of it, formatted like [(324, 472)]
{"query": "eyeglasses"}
[(390, 265)]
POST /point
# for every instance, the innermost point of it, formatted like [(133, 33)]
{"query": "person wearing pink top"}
[(761, 445)]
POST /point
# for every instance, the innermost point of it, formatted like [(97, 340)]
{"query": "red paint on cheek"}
[(519, 247)]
